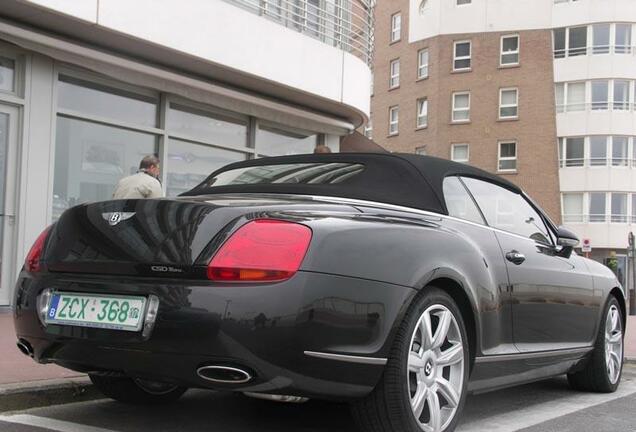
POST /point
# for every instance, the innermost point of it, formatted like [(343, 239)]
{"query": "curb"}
[(33, 394)]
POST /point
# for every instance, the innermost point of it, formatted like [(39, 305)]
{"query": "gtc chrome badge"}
[(114, 218)]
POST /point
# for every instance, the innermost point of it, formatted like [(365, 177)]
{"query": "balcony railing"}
[(622, 106), (599, 218), (345, 24), (597, 162), (593, 50)]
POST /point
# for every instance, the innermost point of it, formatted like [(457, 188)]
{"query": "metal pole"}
[(631, 291)]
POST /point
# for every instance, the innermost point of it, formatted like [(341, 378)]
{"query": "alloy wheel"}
[(613, 344), (436, 369)]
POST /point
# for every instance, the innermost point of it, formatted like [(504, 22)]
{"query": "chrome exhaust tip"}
[(224, 374), (25, 347)]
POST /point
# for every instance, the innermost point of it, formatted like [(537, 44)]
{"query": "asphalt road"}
[(541, 407)]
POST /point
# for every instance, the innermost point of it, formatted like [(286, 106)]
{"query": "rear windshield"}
[(298, 173)]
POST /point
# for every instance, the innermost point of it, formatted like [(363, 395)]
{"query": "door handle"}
[(515, 257)]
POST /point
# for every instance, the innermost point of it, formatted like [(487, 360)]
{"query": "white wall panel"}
[(83, 9)]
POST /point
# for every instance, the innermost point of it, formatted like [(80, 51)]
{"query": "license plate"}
[(100, 311)]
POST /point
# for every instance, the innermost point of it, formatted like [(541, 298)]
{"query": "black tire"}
[(595, 377), (131, 391), (388, 407)]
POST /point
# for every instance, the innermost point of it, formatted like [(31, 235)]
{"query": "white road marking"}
[(531, 416), (49, 423)]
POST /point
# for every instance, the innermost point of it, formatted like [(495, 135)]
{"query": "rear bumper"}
[(265, 329)]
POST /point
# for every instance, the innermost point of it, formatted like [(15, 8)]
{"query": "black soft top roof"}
[(393, 178)]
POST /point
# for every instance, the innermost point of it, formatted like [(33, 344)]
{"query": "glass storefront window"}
[(7, 75), (90, 159), (189, 164), (276, 141), (92, 99), (217, 129)]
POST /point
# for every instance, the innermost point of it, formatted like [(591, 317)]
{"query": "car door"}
[(554, 305)]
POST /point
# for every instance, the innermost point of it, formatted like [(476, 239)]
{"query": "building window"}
[(623, 39), (460, 153), (278, 140), (422, 113), (598, 150), (422, 63), (570, 96), (600, 38), (461, 55), (507, 156), (572, 151), (395, 74), (619, 151), (463, 2), (619, 208), (597, 206), (461, 107), (7, 75), (508, 103), (509, 50), (394, 120), (421, 151), (368, 129), (621, 100), (572, 204), (396, 27), (570, 42), (600, 95)]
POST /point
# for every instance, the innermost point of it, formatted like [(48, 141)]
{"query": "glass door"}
[(8, 178)]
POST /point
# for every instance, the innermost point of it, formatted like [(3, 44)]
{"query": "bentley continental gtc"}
[(396, 283)]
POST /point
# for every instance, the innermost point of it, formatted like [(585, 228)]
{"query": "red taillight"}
[(32, 262), (260, 251)]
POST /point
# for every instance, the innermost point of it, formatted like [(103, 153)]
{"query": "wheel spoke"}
[(419, 400), (616, 338), (416, 363), (427, 331), (446, 389), (614, 314), (451, 356), (435, 411), (442, 329)]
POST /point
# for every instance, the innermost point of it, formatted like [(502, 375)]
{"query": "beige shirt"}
[(136, 186)]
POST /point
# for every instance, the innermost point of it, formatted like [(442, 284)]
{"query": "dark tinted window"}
[(297, 173), (458, 201), (507, 210)]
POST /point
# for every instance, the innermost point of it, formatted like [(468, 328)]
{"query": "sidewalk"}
[(15, 367)]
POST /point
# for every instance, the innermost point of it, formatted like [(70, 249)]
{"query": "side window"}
[(459, 202), (508, 211)]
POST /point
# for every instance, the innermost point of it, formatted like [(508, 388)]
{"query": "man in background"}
[(144, 184), (322, 149)]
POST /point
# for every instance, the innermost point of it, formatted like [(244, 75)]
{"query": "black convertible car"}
[(398, 283)]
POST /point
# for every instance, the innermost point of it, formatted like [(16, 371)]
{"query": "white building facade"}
[(594, 101), (88, 88)]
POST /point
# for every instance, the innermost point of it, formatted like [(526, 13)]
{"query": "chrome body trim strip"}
[(532, 355), (347, 358)]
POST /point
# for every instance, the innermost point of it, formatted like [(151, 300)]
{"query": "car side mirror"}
[(567, 240)]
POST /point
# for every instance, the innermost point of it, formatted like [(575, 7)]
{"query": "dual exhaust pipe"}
[(25, 347), (221, 374)]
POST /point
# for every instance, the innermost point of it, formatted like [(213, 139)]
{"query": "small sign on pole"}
[(586, 246)]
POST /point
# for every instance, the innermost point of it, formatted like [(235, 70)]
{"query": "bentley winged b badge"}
[(113, 218)]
